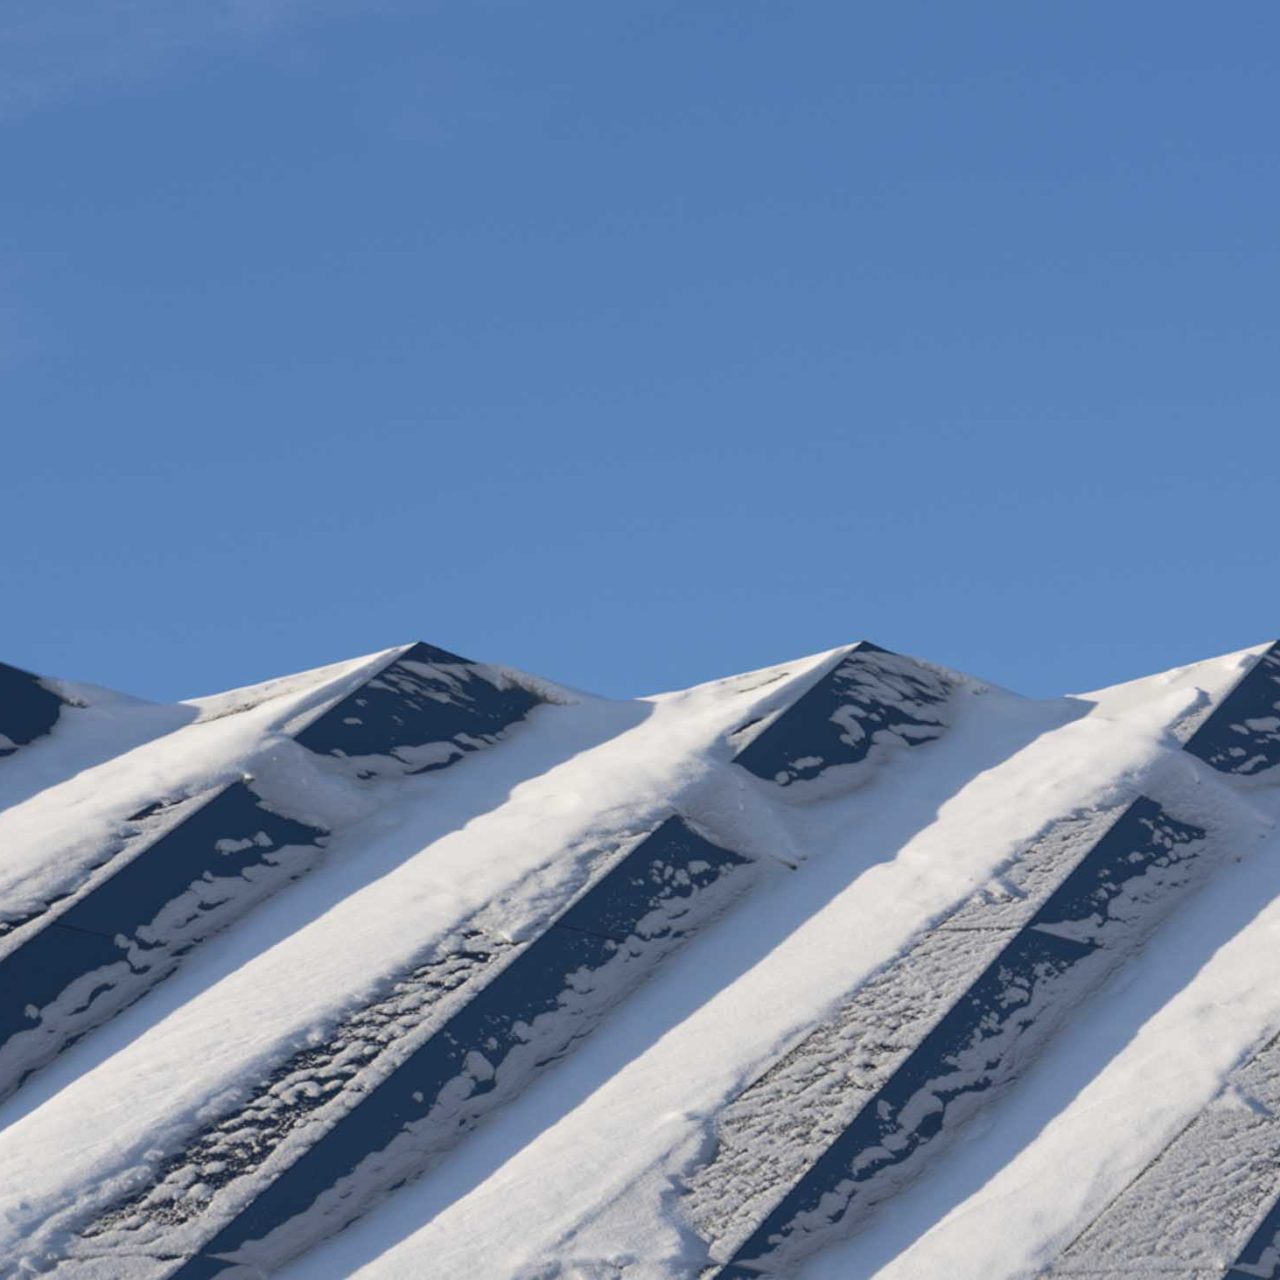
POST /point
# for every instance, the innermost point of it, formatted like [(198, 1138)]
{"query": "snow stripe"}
[(1080, 932)]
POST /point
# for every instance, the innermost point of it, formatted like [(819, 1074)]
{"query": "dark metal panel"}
[(871, 699), (28, 708)]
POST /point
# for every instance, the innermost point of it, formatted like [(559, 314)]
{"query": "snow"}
[(585, 1172)]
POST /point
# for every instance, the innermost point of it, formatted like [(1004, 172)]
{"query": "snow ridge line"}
[(331, 1075)]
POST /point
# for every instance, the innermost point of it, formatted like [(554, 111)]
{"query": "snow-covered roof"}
[(414, 966)]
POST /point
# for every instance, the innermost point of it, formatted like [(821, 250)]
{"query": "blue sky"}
[(637, 343)]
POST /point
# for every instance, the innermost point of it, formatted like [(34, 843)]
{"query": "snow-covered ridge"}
[(415, 966)]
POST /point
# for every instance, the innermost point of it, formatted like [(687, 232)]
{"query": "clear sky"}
[(637, 343)]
